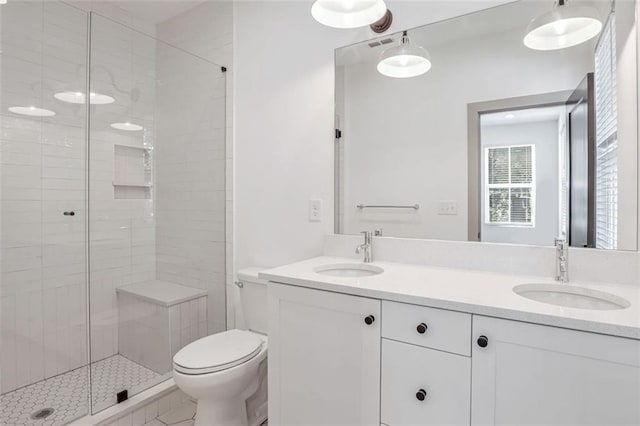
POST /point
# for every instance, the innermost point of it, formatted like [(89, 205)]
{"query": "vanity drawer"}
[(429, 327), (422, 386)]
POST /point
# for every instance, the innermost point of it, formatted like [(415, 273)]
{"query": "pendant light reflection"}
[(562, 27), (79, 98), (127, 127), (348, 13), (404, 60), (32, 111)]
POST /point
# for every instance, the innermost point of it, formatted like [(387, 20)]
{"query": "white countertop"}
[(481, 293)]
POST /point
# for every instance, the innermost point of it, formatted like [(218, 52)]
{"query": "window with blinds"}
[(606, 191), (510, 185)]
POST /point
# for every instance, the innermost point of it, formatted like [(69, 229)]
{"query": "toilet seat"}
[(217, 352)]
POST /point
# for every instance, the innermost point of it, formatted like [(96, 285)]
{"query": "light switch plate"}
[(315, 210), (447, 208)]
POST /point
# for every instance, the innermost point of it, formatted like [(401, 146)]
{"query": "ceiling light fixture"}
[(32, 111), (348, 13), (404, 60), (127, 127), (79, 98), (562, 27)]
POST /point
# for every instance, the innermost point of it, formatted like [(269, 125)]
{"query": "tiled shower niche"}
[(133, 174)]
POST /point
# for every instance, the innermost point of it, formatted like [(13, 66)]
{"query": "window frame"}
[(510, 186)]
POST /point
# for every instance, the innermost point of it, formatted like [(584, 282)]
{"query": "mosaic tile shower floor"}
[(68, 393)]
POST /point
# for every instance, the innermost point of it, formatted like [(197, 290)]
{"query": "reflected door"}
[(582, 167)]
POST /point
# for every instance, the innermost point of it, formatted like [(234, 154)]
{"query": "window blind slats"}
[(510, 185), (606, 211)]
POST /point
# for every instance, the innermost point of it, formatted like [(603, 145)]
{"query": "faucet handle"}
[(378, 232)]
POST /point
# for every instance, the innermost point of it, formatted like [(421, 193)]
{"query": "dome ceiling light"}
[(127, 127), (32, 111), (351, 13), (79, 98), (562, 27), (404, 60)]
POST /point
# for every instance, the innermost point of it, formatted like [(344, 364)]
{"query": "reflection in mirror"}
[(497, 142)]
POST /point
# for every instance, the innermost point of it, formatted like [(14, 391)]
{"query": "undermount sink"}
[(349, 270), (571, 296)]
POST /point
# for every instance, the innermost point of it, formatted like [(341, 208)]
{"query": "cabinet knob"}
[(483, 341), (421, 328), (369, 319), (421, 394)]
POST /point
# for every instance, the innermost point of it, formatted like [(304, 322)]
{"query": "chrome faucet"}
[(366, 247), (562, 260)]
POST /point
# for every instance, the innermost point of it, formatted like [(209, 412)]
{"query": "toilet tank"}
[(253, 299)]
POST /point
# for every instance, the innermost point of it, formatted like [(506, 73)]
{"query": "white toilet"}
[(227, 372)]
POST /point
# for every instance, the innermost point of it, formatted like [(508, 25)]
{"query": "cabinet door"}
[(423, 386), (324, 358), (537, 375)]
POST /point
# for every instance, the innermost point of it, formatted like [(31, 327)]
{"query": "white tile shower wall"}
[(620, 267), (122, 230), (206, 31), (42, 171), (151, 334)]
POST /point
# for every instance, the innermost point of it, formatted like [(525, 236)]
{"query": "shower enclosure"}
[(112, 211)]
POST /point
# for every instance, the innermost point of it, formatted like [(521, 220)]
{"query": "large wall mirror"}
[(499, 141)]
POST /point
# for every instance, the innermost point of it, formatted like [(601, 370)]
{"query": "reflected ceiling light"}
[(404, 60), (127, 127), (32, 111), (510, 116), (563, 26), (79, 97), (3, 1), (348, 13)]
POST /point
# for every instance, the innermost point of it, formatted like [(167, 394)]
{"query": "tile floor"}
[(183, 415), (68, 393)]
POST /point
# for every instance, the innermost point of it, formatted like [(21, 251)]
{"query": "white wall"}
[(283, 121), (627, 75), (544, 136)]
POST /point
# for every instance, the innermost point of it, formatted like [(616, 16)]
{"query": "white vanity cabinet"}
[(426, 366), (324, 358), (422, 386), (343, 360), (533, 374)]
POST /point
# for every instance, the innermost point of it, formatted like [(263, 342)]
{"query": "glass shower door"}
[(157, 202), (43, 78)]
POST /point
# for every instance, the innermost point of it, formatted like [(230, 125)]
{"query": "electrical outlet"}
[(315, 210), (448, 208)]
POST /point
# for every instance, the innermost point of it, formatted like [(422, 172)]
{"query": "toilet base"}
[(229, 412)]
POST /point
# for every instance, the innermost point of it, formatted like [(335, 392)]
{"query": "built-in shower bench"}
[(158, 318)]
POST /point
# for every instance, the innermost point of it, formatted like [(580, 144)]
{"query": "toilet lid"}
[(217, 352)]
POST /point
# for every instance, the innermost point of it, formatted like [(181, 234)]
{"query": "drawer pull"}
[(422, 328), (483, 341), (69, 213), (421, 395), (369, 319)]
